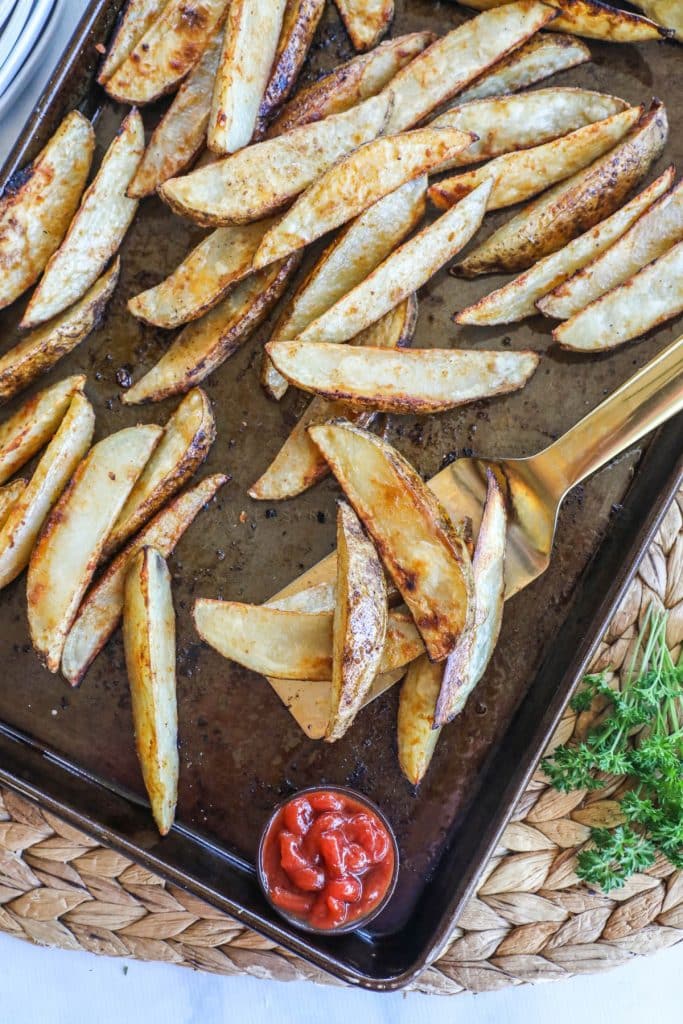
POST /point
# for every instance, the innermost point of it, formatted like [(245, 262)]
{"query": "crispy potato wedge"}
[(366, 21), (350, 83), (149, 646), (653, 234), (32, 426), (415, 732), (203, 278), (522, 174), (185, 444), (667, 13), (97, 230), (465, 666), (406, 381), (181, 132), (347, 261), (40, 350), (252, 31), (649, 298), (356, 183), (298, 465), (592, 19), (37, 206), (360, 621), (100, 611), (322, 597), (518, 298), (262, 179), (404, 271), (10, 493), (573, 206), (67, 552), (542, 57), (137, 17), (425, 557), (57, 464), (205, 344), (167, 52), (456, 59)]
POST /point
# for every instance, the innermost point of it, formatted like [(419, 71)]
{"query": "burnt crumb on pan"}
[(123, 377), (271, 513), (321, 516)]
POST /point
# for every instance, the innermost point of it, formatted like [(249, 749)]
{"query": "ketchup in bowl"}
[(328, 860)]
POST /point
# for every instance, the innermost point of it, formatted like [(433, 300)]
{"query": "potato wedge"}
[(298, 465), (37, 206), (185, 444), (455, 60), (404, 271), (57, 464), (416, 381), (347, 261), (252, 31), (591, 19), (667, 13), (100, 611), (350, 83), (366, 21), (522, 174), (181, 132), (518, 298), (542, 57), (415, 732), (356, 183), (64, 559), (321, 597), (301, 19), (137, 17), (203, 278), (262, 179), (149, 645), (466, 665), (97, 230), (167, 52), (10, 493), (649, 298), (653, 234), (425, 557), (205, 344), (40, 350), (573, 206), (32, 426)]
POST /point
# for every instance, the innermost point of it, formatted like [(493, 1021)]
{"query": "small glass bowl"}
[(357, 922)]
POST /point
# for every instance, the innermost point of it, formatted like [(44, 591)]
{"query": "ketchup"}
[(327, 859)]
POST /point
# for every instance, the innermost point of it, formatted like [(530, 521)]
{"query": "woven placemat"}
[(532, 920)]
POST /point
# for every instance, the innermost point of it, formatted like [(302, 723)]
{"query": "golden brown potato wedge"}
[(57, 464), (167, 52), (97, 230), (356, 183), (366, 21), (518, 298), (424, 555), (649, 298), (298, 465), (137, 17), (206, 343), (455, 60), (262, 179), (360, 621), (591, 19), (415, 732), (667, 13), (40, 350), (149, 645), (542, 57), (100, 611), (185, 444), (10, 493), (653, 234), (347, 261), (522, 174), (573, 206), (69, 547), (32, 426), (406, 269), (416, 381), (36, 211), (203, 278), (322, 597), (252, 31), (181, 132)]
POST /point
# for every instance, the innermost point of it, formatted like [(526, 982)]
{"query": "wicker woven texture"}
[(532, 920)]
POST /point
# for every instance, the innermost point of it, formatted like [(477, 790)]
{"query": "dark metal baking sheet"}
[(240, 749)]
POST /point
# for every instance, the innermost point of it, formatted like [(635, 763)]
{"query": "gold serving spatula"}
[(536, 487)]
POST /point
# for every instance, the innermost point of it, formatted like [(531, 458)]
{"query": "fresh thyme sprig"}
[(653, 807)]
